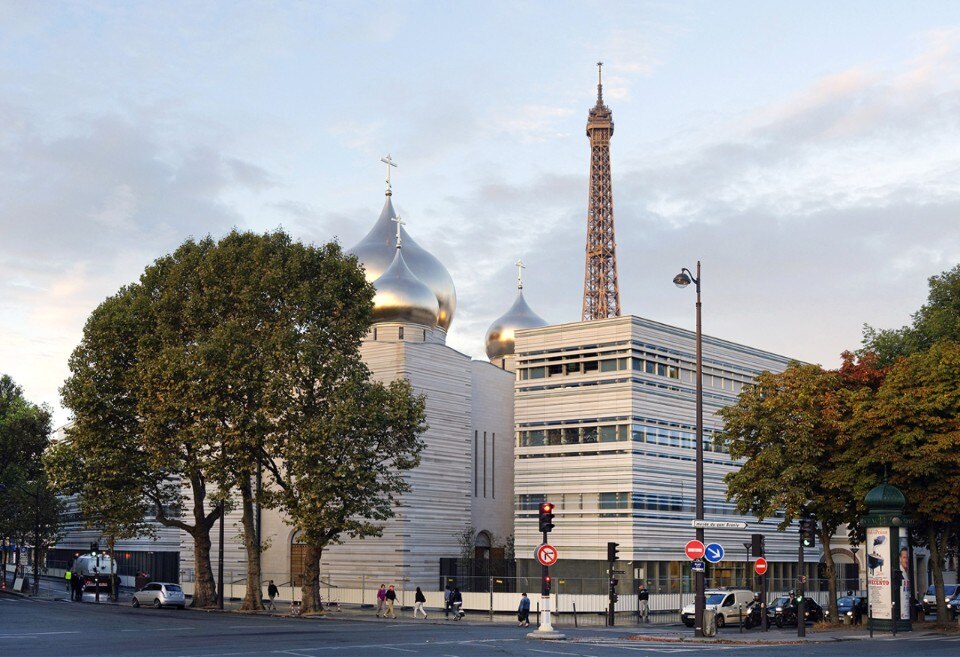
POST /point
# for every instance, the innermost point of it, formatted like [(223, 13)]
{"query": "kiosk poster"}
[(906, 599), (879, 570)]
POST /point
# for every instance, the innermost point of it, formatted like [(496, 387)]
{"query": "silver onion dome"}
[(500, 335), (376, 253), (402, 297)]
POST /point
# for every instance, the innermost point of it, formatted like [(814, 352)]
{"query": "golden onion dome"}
[(500, 335), (376, 253), (402, 297)]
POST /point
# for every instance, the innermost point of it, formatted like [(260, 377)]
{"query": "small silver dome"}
[(376, 253), (500, 335), (402, 297)]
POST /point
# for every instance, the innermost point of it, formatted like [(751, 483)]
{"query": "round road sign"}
[(694, 549), (760, 566), (547, 555)]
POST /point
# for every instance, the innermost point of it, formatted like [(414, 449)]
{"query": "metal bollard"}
[(740, 609), (575, 615)]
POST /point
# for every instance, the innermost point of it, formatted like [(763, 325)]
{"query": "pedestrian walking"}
[(643, 603), (456, 603), (447, 593), (419, 600), (381, 599), (272, 593), (391, 598), (523, 611)]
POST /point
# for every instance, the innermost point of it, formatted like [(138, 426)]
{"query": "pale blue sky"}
[(807, 152)]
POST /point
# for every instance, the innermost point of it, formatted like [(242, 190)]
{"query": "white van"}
[(728, 603)]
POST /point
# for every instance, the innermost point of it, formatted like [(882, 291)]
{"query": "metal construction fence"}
[(500, 600)]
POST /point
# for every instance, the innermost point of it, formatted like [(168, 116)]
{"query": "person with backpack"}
[(419, 600)]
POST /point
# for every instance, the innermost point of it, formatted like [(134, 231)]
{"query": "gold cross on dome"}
[(520, 268), (400, 222), (390, 165)]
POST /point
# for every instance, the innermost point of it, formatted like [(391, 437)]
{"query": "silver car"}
[(160, 594)]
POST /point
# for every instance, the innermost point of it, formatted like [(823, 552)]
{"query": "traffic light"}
[(545, 590), (613, 590), (808, 532), (756, 545), (612, 551), (546, 517), (94, 548)]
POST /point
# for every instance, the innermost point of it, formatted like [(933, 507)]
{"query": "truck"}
[(94, 570)]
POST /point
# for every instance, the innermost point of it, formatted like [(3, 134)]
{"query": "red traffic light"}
[(546, 507)]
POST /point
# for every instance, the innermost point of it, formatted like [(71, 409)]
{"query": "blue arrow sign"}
[(697, 566), (714, 553)]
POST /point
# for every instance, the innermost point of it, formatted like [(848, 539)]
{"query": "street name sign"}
[(760, 566), (714, 553), (547, 555), (693, 549), (717, 524), (698, 566)]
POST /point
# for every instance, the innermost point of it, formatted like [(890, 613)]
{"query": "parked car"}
[(728, 603), (850, 609), (951, 591), (784, 611), (160, 594)]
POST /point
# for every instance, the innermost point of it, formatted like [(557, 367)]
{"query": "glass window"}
[(608, 434), (553, 436), (613, 500), (537, 372), (623, 364), (623, 432), (535, 438), (608, 365), (661, 369), (673, 372), (639, 433), (571, 436), (638, 364), (400, 333), (573, 368), (589, 434), (590, 366), (650, 367), (554, 370)]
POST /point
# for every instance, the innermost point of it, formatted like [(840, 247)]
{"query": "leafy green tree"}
[(910, 429), (340, 461), (937, 319), (28, 509), (787, 426)]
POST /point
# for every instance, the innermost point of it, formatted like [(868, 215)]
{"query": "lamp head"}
[(681, 280)]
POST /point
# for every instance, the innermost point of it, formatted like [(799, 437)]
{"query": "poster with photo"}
[(879, 571), (903, 563)]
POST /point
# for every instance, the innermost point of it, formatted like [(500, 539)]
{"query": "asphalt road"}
[(38, 628)]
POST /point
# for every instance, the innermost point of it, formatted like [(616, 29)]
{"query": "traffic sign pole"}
[(545, 625)]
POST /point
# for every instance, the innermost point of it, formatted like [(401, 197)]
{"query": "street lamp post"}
[(681, 280)]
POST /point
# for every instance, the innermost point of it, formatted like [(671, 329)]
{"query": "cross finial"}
[(400, 222), (599, 83), (390, 164), (520, 268)]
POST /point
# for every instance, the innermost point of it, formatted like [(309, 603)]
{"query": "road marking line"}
[(160, 629), (555, 652), (400, 649), (25, 634)]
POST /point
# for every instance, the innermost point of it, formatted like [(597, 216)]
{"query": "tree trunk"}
[(310, 590), (253, 599), (936, 565), (830, 570), (205, 588)]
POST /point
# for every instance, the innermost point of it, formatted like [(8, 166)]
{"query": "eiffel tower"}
[(601, 292)]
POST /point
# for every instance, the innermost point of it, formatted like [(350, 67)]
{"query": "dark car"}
[(850, 609), (784, 611)]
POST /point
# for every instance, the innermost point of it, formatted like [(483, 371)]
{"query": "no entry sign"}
[(694, 550), (547, 555), (760, 566)]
